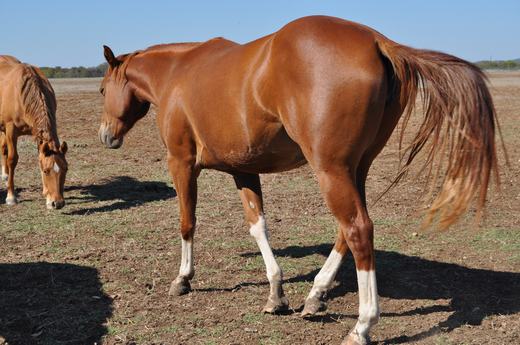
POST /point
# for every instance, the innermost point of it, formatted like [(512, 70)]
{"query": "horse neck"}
[(150, 71)]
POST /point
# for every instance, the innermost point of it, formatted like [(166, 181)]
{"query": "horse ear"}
[(110, 57), (46, 150), (64, 147)]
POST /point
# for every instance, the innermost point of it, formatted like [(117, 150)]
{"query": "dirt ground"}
[(98, 271)]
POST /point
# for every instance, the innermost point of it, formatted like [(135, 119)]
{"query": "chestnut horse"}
[(320, 90), (28, 107)]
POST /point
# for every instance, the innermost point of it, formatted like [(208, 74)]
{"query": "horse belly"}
[(266, 153)]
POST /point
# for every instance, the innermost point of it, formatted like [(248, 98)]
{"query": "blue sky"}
[(71, 33)]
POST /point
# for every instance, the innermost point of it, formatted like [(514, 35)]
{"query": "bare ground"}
[(98, 271)]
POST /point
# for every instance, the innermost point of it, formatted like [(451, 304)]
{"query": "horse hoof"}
[(11, 201), (275, 306), (179, 288), (313, 306), (355, 339)]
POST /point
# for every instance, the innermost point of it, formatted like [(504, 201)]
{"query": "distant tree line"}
[(99, 70), (75, 72), (499, 64)]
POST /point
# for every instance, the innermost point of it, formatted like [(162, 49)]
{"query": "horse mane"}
[(174, 47), (39, 104), (120, 70)]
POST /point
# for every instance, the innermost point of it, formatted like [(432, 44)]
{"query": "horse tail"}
[(459, 124)]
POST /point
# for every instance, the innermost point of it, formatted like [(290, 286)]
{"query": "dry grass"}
[(99, 269)]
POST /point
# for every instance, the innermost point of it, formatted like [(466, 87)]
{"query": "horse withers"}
[(28, 107), (322, 91)]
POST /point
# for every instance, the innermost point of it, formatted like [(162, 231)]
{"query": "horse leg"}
[(339, 188), (185, 179), (3, 152), (11, 139), (251, 196), (323, 280)]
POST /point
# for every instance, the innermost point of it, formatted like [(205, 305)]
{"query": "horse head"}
[(53, 167), (122, 106)]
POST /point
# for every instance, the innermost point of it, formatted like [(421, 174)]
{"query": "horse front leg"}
[(315, 301), (11, 139), (185, 180), (251, 195), (3, 152)]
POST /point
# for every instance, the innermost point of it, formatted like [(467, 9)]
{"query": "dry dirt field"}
[(98, 271)]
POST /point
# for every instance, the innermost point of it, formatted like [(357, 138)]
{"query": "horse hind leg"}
[(251, 196), (344, 200)]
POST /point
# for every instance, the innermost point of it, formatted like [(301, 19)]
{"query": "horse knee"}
[(12, 160), (360, 236), (187, 230)]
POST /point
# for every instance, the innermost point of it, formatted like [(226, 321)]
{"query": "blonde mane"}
[(39, 104)]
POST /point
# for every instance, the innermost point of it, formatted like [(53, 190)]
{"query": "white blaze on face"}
[(49, 202), (56, 168)]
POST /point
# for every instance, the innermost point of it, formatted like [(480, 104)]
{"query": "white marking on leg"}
[(368, 305), (10, 199), (56, 168), (186, 270), (260, 233), (4, 172), (325, 277)]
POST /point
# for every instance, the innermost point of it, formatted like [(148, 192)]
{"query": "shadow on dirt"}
[(474, 293), (50, 303), (125, 191)]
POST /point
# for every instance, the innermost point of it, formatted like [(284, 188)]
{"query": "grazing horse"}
[(28, 107), (322, 91)]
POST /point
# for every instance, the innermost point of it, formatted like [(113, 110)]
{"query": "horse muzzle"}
[(55, 204), (108, 139)]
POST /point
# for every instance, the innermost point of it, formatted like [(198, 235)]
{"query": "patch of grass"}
[(113, 330), (170, 330), (443, 340), (499, 239), (298, 287), (254, 263), (253, 318), (274, 338)]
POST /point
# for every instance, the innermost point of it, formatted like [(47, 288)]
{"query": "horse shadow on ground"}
[(125, 191), (52, 303), (474, 293)]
